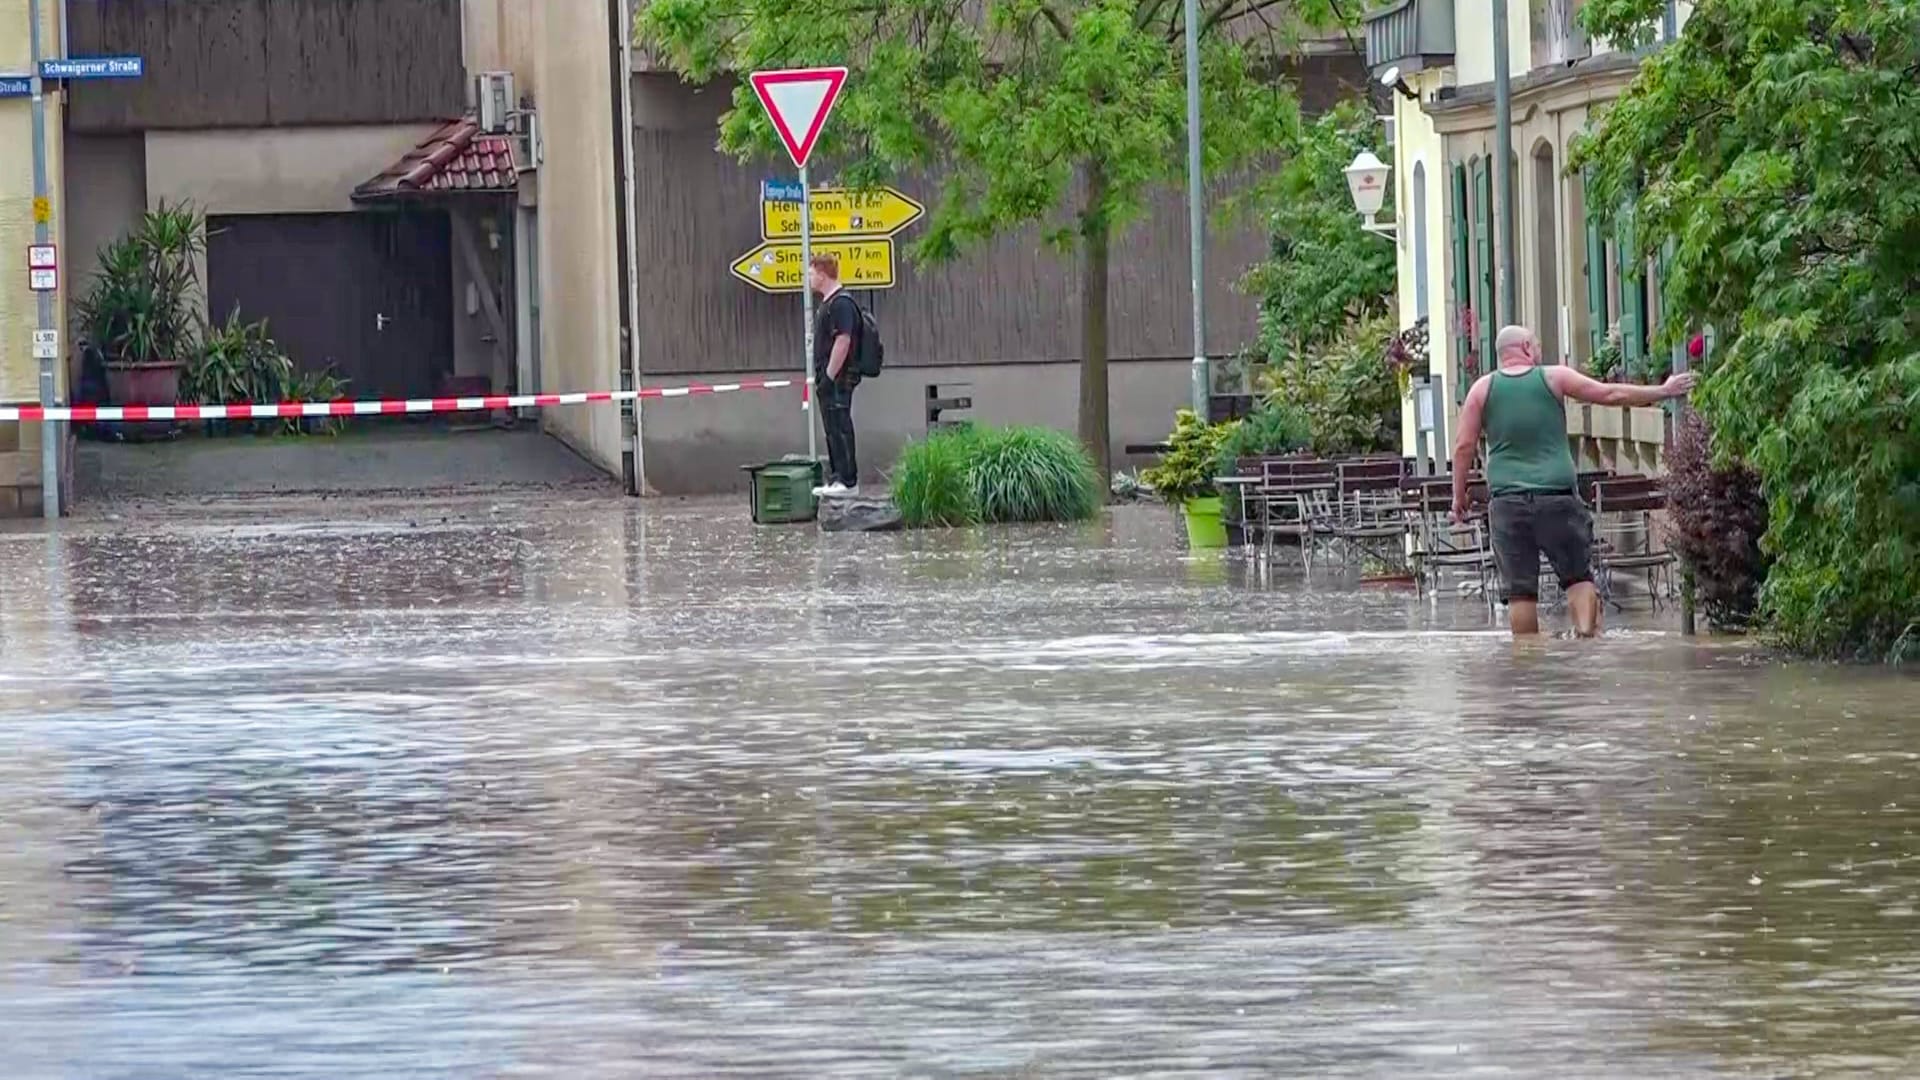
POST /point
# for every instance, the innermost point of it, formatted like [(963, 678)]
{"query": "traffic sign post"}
[(43, 268), (838, 212), (798, 100), (778, 266)]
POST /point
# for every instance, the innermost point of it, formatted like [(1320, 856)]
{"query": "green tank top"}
[(1526, 426)]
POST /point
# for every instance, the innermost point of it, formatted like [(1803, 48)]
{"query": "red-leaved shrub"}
[(1716, 518)]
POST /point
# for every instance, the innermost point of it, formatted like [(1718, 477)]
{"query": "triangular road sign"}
[(798, 101)]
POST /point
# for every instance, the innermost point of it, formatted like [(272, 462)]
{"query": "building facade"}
[(366, 196), (1571, 283)]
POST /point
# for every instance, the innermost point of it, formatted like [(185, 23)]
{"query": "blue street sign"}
[(15, 85), (94, 67), (781, 191)]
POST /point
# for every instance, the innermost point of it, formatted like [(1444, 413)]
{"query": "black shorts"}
[(1526, 526)]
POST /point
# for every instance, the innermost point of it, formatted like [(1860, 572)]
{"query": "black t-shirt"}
[(839, 315)]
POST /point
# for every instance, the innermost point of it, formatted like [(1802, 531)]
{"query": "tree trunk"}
[(1095, 234)]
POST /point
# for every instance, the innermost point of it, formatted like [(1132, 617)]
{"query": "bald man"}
[(1536, 507)]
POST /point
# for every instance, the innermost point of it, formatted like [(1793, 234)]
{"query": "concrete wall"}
[(557, 50), (697, 445), (273, 170), (19, 308)]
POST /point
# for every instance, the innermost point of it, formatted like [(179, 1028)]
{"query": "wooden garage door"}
[(369, 294)]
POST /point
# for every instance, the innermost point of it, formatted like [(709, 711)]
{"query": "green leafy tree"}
[(1058, 114), (1776, 143), (1326, 274), (1326, 291)]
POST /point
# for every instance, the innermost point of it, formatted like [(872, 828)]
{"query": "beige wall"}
[(557, 52), (106, 194), (272, 170), (19, 308), (1417, 143), (1473, 39)]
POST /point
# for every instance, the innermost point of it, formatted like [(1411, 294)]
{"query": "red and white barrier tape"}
[(33, 414)]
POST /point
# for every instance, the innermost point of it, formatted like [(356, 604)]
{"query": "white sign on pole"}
[(798, 100), (43, 280), (46, 344), (43, 257)]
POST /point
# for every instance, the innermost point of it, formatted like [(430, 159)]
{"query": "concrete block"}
[(1648, 425), (1606, 422), (1577, 423)]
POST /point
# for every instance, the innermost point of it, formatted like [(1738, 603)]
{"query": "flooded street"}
[(587, 789)]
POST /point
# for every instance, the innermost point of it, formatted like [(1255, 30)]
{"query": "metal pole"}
[(806, 309), (1669, 29), (1505, 263), (633, 243), (1196, 214), (50, 433)]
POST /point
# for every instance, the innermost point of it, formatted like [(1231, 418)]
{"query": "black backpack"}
[(872, 352)]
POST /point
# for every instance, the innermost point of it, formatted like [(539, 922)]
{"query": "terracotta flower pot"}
[(145, 384)]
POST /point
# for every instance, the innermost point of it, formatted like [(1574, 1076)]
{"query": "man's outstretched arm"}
[(1571, 384)]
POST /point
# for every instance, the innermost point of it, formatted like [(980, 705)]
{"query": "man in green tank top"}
[(1535, 506)]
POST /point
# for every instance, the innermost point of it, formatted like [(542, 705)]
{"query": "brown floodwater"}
[(591, 789)]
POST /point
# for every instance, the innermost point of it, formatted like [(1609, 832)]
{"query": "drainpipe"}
[(632, 239), (1508, 310), (619, 57)]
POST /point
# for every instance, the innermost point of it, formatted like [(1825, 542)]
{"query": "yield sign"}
[(798, 100)]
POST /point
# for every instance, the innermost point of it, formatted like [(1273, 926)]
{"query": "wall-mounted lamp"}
[(1367, 181)]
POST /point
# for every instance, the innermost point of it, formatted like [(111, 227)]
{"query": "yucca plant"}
[(139, 307)]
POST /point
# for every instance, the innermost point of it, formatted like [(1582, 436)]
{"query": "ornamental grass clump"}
[(973, 474)]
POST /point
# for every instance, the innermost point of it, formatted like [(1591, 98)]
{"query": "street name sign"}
[(94, 67), (840, 212), (16, 86), (798, 100), (774, 267), (43, 267)]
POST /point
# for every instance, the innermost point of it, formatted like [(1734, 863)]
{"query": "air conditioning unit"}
[(527, 150), (493, 96)]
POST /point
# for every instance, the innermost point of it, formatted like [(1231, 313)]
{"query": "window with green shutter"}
[(1596, 274), (1484, 318), (1633, 294), (1457, 219)]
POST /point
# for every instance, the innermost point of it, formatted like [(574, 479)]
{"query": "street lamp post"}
[(1196, 215)]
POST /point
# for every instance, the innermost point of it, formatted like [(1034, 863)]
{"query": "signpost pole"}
[(806, 310), (50, 434)]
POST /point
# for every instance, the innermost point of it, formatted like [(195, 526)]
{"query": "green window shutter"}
[(1633, 294), (1483, 277), (1462, 282), (1596, 273)]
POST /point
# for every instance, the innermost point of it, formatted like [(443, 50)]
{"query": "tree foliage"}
[(1326, 273), (1776, 143), (1057, 114)]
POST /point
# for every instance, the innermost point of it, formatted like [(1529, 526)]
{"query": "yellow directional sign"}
[(775, 265), (842, 212)]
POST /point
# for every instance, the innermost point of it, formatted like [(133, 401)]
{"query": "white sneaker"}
[(830, 490)]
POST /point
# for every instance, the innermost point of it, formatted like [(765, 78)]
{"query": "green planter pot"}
[(1204, 527)]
